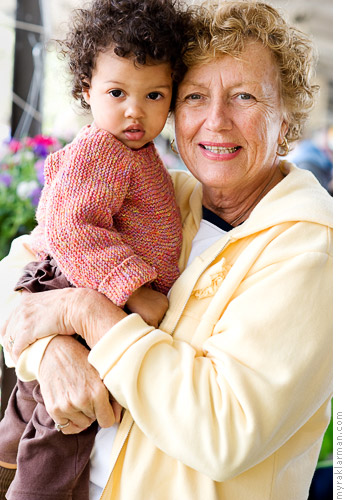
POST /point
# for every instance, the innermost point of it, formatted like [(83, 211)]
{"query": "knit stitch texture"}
[(108, 216)]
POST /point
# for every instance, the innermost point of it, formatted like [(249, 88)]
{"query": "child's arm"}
[(79, 226)]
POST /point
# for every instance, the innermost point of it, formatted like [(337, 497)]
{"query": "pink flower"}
[(14, 145), (43, 140)]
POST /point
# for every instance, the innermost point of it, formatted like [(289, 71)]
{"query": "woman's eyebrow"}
[(189, 83)]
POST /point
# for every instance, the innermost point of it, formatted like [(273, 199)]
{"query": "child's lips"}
[(134, 132)]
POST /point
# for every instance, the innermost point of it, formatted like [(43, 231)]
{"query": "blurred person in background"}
[(316, 154)]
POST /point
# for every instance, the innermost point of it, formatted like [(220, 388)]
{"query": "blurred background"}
[(35, 101), (59, 115), (38, 115), (35, 95)]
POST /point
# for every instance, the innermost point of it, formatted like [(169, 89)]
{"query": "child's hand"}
[(150, 304), (117, 409)]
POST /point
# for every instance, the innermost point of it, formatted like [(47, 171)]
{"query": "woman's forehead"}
[(254, 65)]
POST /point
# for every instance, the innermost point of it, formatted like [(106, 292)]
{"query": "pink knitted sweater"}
[(108, 216)]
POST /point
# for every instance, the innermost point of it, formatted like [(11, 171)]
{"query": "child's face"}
[(131, 102)]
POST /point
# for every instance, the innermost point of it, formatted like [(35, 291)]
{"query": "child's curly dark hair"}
[(148, 31)]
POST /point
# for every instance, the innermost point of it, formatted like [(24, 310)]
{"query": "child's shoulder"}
[(93, 134), (98, 141)]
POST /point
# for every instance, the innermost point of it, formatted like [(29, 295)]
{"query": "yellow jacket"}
[(230, 397)]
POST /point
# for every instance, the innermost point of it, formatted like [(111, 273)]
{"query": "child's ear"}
[(86, 90)]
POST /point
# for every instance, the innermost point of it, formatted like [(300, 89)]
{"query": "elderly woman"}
[(230, 397)]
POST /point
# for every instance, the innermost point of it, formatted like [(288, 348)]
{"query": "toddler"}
[(107, 217)]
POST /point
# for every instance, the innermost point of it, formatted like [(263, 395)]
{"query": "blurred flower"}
[(35, 195), (41, 150), (21, 182), (26, 188), (14, 145), (5, 179), (39, 167)]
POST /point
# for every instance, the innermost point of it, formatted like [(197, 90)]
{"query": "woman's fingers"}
[(71, 388), (71, 310), (29, 321)]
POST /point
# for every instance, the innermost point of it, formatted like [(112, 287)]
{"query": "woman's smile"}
[(219, 151)]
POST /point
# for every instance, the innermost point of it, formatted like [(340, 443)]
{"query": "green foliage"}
[(21, 182), (326, 452)]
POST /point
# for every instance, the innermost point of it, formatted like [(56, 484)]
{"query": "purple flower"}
[(5, 179), (41, 150), (35, 196), (39, 167)]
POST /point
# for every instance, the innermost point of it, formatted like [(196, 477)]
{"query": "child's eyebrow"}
[(161, 86), (114, 82), (151, 86)]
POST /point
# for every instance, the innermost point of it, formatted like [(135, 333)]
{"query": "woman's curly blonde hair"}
[(224, 27)]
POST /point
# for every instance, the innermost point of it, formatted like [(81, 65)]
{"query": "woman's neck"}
[(235, 206)]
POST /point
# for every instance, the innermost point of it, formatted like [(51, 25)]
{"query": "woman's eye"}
[(116, 93), (245, 97), (154, 96), (193, 97)]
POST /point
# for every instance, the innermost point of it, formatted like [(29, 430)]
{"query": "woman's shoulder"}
[(188, 191), (183, 181), (306, 195), (299, 197)]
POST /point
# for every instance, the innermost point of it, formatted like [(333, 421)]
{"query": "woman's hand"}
[(65, 312), (92, 314), (72, 389), (36, 316)]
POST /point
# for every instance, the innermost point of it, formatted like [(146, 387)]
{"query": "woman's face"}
[(229, 119)]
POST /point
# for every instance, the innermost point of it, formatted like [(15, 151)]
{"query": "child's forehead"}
[(108, 61), (110, 68), (111, 51)]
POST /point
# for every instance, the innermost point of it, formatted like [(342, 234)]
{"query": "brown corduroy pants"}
[(50, 465)]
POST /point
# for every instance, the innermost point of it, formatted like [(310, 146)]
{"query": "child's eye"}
[(154, 96), (116, 93)]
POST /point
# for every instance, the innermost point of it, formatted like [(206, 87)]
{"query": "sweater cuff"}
[(122, 281), (28, 364), (116, 341)]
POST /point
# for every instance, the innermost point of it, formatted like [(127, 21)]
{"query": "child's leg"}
[(39, 277), (18, 413), (51, 465)]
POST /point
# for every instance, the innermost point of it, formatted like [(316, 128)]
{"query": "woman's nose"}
[(134, 110), (218, 116)]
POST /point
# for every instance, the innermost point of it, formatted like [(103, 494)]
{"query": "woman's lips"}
[(219, 151)]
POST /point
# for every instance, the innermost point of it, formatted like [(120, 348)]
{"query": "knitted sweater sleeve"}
[(79, 228), (51, 168)]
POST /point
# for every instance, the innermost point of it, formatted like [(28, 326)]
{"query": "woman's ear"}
[(283, 131)]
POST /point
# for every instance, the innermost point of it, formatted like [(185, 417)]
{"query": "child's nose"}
[(134, 110)]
